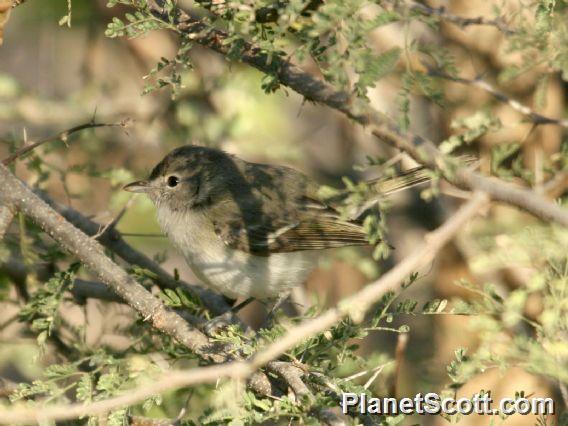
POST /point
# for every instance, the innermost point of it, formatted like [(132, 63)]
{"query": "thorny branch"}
[(355, 307), (380, 125), (63, 136)]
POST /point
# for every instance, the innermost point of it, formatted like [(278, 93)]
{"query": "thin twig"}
[(63, 136), (460, 21), (355, 306), (114, 221), (532, 115), (401, 343), (380, 125)]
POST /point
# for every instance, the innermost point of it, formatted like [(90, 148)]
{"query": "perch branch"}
[(380, 125), (355, 306), (91, 254)]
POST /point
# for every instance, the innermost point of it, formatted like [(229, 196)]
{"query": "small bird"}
[(246, 229)]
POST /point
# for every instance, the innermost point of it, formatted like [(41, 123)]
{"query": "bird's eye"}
[(172, 181)]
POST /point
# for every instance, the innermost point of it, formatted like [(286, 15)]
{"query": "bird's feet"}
[(214, 325), (275, 304), (220, 322)]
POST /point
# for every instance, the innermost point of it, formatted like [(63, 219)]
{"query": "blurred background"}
[(53, 77)]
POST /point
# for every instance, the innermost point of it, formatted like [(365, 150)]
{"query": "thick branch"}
[(91, 253), (355, 306), (383, 127)]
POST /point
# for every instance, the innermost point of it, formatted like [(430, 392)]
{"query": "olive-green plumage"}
[(245, 229)]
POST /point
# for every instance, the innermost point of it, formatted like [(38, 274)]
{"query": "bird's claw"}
[(214, 325)]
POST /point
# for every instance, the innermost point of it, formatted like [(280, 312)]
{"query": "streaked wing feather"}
[(310, 233)]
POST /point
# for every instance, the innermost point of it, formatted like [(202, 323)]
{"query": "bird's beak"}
[(138, 186)]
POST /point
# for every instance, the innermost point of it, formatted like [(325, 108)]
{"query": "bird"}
[(247, 230)]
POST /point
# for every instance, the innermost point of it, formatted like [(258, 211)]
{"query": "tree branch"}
[(534, 116), (355, 307), (91, 254), (63, 136), (380, 125), (460, 21)]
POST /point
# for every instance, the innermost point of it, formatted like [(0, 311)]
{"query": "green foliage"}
[(42, 309), (180, 298), (472, 128), (543, 42), (510, 336), (372, 67)]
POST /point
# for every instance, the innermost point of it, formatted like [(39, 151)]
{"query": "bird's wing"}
[(318, 227)]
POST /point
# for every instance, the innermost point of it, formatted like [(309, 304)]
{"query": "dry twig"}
[(63, 136)]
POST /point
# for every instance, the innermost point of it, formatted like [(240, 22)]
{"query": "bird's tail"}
[(402, 181), (410, 178)]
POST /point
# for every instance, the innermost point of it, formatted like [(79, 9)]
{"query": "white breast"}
[(233, 273)]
